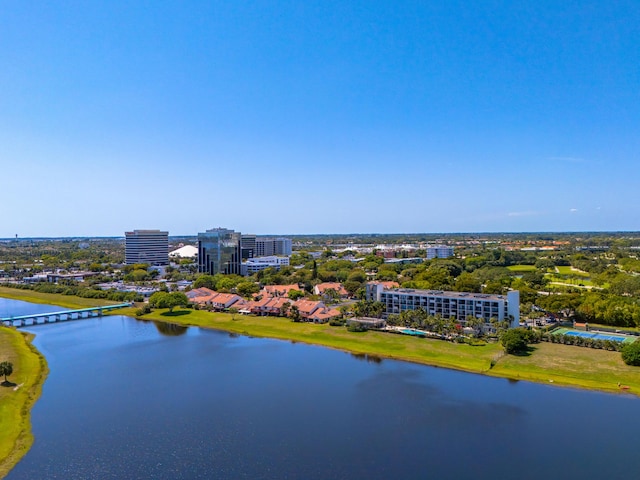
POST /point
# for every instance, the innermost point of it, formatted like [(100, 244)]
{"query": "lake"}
[(129, 399)]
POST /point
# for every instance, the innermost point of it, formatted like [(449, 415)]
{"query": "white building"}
[(188, 251), (458, 305), (147, 246), (254, 265)]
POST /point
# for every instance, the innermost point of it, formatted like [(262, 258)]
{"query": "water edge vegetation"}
[(18, 396)]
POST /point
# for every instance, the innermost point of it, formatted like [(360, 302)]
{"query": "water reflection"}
[(170, 329), (366, 357)]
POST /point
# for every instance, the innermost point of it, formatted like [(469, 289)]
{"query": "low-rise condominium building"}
[(458, 305)]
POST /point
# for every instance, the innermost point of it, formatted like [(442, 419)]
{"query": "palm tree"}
[(6, 369), (438, 323), (393, 319), (429, 322), (476, 323)]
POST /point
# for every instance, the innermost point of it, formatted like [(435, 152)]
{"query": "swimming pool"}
[(408, 331)]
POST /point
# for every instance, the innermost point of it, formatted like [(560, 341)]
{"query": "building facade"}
[(458, 305), (248, 245), (266, 247), (146, 246), (219, 251), (439, 251), (257, 264)]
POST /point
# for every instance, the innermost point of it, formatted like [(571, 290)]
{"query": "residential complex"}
[(219, 251), (264, 304), (458, 305), (147, 246)]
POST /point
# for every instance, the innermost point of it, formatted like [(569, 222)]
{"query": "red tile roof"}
[(280, 290), (321, 288)]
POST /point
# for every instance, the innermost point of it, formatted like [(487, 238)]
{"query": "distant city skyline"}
[(321, 117)]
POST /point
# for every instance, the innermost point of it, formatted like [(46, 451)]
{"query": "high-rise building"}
[(219, 251), (266, 247), (248, 246), (146, 246)]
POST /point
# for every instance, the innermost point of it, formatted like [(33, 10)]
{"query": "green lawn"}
[(581, 281), (571, 365), (66, 301), (567, 270), (522, 268), (29, 372)]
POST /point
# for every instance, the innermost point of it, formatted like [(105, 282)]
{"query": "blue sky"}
[(319, 116)]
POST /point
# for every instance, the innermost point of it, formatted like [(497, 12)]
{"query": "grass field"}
[(573, 366), (582, 281), (29, 372), (522, 268), (567, 270), (66, 301)]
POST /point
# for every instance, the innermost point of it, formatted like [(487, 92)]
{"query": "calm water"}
[(128, 399)]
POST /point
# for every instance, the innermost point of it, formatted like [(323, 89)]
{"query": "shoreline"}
[(501, 367), (553, 364), (30, 373)]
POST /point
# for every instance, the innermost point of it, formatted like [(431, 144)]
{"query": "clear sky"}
[(319, 116)]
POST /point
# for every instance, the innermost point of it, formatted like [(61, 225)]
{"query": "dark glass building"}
[(219, 251)]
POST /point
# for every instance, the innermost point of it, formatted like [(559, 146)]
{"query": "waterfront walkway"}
[(42, 318)]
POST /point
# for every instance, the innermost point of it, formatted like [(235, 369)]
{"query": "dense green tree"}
[(631, 353), (206, 281), (168, 300), (514, 340), (545, 264), (294, 313), (357, 276), (247, 288), (468, 282), (368, 308), (535, 280), (295, 295), (352, 287)]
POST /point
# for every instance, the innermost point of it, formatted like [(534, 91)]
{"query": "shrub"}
[(356, 327), (631, 353), (515, 340)]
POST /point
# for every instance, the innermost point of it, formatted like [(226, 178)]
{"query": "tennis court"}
[(615, 337)]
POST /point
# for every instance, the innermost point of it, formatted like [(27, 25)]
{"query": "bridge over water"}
[(77, 314)]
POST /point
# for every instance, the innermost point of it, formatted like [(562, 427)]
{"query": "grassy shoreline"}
[(547, 363), (29, 372), (65, 301)]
